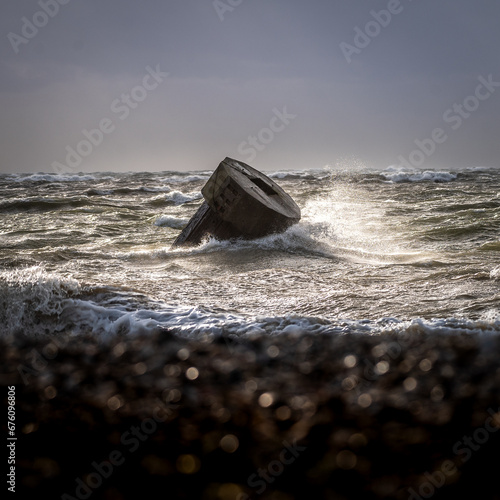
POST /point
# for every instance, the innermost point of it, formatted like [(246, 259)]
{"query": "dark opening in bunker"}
[(263, 185)]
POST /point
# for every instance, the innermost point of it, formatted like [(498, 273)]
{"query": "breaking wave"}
[(179, 198), (34, 302), (170, 221), (393, 174)]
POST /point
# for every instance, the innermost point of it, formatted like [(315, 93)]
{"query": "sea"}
[(376, 251)]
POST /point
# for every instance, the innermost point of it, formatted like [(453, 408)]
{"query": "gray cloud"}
[(226, 77)]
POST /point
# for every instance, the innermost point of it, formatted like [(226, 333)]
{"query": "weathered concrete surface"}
[(240, 202)]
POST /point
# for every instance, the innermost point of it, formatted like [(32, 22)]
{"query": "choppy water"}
[(375, 251)]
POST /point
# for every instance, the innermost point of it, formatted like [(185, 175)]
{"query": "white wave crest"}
[(170, 221), (34, 302), (396, 175), (54, 178), (160, 189), (28, 297), (495, 273), (179, 198)]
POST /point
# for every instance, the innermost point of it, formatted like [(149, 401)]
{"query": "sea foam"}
[(54, 178), (396, 175), (179, 198), (171, 221)]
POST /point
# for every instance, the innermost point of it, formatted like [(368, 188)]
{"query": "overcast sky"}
[(180, 84)]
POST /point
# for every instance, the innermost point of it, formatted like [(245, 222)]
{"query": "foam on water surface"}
[(42, 177), (395, 174), (91, 253), (34, 302)]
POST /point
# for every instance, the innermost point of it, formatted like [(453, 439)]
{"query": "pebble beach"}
[(271, 417)]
